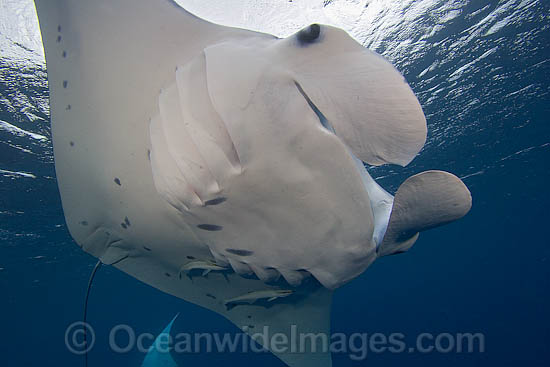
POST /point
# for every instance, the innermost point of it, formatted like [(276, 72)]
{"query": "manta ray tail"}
[(426, 200), (90, 282), (85, 328)]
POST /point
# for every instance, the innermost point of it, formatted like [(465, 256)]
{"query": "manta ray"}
[(180, 142)]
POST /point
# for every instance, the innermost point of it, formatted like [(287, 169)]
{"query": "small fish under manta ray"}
[(203, 266), (252, 297), (179, 140)]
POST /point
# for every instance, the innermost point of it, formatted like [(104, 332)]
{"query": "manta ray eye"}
[(309, 34)]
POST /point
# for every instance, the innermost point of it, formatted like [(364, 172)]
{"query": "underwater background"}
[(481, 71)]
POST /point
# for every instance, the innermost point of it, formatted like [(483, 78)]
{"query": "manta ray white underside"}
[(181, 145)]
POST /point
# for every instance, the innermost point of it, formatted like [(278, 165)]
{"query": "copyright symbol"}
[(74, 338)]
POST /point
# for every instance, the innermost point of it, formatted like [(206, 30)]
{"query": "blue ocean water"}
[(481, 71)]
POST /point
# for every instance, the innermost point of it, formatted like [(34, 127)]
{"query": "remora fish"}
[(205, 265), (252, 297)]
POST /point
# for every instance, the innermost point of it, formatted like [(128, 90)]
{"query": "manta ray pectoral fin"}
[(426, 200), (271, 299)]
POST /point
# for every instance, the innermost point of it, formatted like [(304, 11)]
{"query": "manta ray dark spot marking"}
[(117, 181), (123, 225), (64, 54), (146, 248), (68, 107), (191, 257), (59, 28), (127, 221), (65, 83), (71, 143), (58, 39), (239, 252), (210, 295), (167, 274), (215, 201), (210, 227), (249, 316), (84, 223), (309, 35)]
